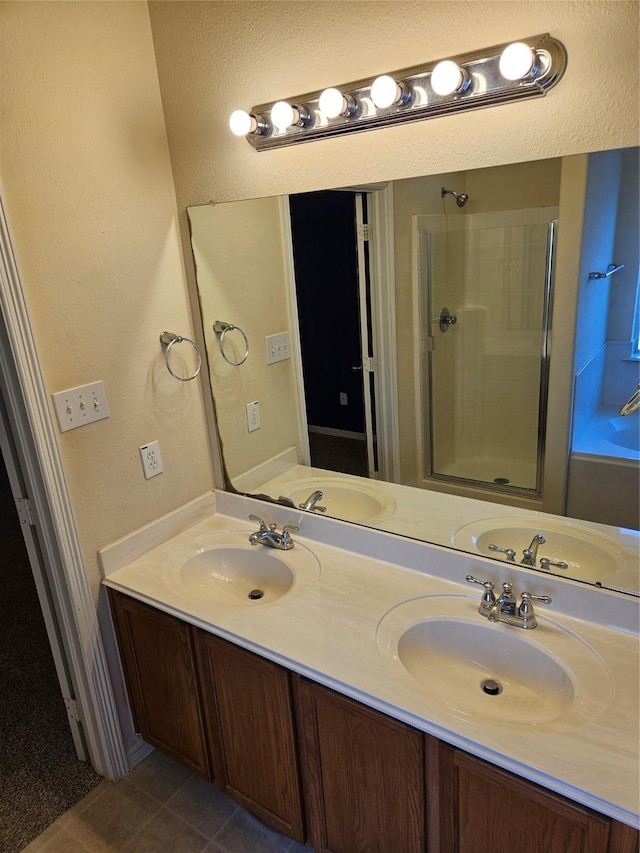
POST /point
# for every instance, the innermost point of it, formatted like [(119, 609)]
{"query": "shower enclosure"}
[(485, 282)]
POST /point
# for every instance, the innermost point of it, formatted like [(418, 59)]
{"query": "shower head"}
[(461, 199)]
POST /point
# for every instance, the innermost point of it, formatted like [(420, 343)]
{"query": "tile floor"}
[(160, 807)]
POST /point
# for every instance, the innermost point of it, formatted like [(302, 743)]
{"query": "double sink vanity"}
[(366, 692)]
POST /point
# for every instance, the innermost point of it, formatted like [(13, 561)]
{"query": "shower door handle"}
[(446, 319)]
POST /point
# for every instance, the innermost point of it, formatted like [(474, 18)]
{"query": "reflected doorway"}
[(333, 294)]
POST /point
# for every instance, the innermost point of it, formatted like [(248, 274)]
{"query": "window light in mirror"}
[(480, 78)]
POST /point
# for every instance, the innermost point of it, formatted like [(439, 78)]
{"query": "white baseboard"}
[(339, 433)]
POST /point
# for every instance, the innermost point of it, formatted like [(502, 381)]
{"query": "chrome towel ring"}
[(168, 339), (222, 329)]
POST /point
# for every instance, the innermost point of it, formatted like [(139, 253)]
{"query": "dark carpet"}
[(335, 453), (40, 775)]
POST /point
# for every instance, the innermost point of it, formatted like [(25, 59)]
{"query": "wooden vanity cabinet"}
[(248, 708), (364, 776), (371, 784), (475, 807), (160, 670)]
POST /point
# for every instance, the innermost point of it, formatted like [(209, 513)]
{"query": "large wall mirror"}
[(383, 354)]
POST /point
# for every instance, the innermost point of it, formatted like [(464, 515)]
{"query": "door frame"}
[(383, 311), (60, 571)]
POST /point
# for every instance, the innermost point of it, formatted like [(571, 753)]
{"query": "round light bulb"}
[(446, 78), (517, 61), (332, 103), (241, 123), (385, 91), (283, 115)]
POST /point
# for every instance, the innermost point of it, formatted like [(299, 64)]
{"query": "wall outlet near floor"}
[(277, 347), (82, 405), (253, 416), (344, 400), (151, 459)]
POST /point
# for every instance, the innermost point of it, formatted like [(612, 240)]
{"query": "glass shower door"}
[(488, 360)]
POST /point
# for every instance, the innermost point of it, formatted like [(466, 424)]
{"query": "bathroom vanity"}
[(308, 707)]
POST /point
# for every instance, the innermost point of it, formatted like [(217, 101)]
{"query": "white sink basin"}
[(346, 499), (224, 568), (546, 677), (591, 556)]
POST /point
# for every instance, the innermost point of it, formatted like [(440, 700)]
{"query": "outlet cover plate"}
[(151, 459), (82, 405), (253, 416)]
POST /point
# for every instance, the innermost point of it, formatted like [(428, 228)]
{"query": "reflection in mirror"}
[(400, 350)]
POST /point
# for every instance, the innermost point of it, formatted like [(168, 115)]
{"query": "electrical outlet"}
[(253, 416), (82, 405), (344, 400), (277, 347), (151, 459)]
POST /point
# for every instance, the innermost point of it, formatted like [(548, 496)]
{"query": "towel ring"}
[(168, 339), (221, 328)]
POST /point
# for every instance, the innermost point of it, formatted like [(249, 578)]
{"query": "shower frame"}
[(427, 306)]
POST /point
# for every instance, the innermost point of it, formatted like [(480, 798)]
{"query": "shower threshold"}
[(492, 472)]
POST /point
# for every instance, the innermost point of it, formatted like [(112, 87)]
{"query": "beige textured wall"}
[(86, 177), (214, 57), (238, 250)]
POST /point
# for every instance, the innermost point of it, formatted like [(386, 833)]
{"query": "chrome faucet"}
[(311, 502), (505, 608), (269, 535), (530, 554)]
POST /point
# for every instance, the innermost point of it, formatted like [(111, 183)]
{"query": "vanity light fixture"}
[(447, 78), (332, 103), (242, 123), (518, 61), (285, 115), (480, 78), (386, 91)]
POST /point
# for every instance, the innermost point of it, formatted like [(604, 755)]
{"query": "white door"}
[(367, 342)]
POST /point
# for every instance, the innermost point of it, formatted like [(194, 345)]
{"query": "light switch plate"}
[(277, 347), (82, 405)]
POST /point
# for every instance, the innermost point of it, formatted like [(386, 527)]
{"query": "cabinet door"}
[(249, 716), (159, 667), (364, 776), (483, 808)]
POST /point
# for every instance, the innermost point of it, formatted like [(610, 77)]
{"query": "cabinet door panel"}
[(249, 713), (159, 667), (491, 809), (364, 776)]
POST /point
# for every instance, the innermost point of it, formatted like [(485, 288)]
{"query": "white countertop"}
[(328, 632), (442, 518)]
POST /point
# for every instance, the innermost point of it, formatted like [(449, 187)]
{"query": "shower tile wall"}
[(486, 370)]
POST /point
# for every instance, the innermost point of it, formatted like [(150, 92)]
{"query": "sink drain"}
[(491, 687), (255, 594)]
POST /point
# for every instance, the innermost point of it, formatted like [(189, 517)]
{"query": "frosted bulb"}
[(385, 91), (241, 123), (283, 115), (446, 78), (332, 103), (516, 61)]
